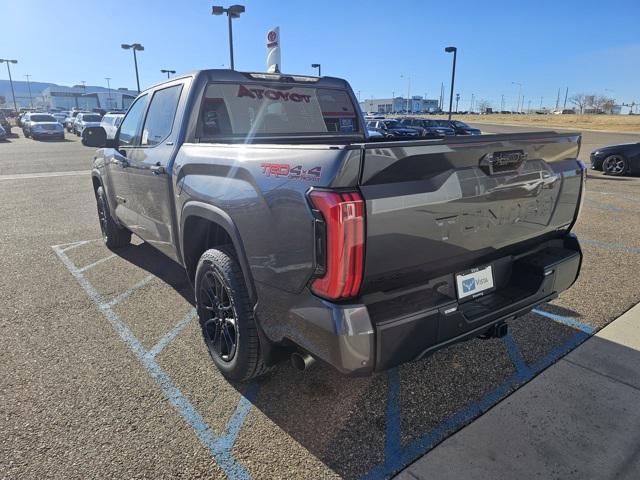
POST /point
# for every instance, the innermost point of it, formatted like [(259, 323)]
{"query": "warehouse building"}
[(417, 104), (67, 98)]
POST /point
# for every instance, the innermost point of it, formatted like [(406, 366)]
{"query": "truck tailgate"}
[(441, 207)]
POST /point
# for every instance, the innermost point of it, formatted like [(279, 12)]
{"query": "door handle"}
[(158, 169)]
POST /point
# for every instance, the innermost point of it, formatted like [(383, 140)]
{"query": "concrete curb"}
[(577, 419)]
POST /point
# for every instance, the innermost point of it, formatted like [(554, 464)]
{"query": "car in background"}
[(617, 160), (4, 123), (392, 128), (60, 116), (71, 118), (42, 125), (110, 122), (3, 133), (374, 133), (84, 120), (461, 128), (427, 127)]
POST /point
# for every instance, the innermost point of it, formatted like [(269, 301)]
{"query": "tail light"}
[(342, 258)]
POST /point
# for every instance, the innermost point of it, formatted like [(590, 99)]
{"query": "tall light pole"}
[(319, 67), (519, 94), (408, 89), (232, 12), (453, 50), (13, 93), (135, 47), (29, 85), (108, 79), (168, 72)]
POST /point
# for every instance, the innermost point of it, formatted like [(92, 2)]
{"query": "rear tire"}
[(226, 318), (114, 235), (615, 165)]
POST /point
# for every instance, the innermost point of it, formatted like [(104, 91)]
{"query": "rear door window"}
[(162, 111), (257, 110)]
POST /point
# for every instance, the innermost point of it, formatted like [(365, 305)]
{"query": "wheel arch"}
[(211, 227)]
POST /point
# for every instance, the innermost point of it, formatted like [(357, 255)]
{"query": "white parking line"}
[(22, 176), (97, 262)]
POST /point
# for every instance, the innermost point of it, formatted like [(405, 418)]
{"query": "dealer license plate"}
[(474, 283)]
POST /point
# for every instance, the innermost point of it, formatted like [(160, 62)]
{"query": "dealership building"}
[(399, 104), (67, 98)]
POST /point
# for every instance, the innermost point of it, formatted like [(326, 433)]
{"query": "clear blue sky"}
[(589, 46)]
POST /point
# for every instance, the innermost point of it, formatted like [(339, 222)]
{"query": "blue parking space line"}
[(392, 445), (603, 206), (571, 322), (171, 334), (514, 353), (421, 445), (219, 447), (238, 418), (558, 352), (614, 247)]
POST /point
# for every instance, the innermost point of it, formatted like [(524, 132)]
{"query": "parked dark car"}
[(427, 127), (617, 160), (393, 128), (461, 128)]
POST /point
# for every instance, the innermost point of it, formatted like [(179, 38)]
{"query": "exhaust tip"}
[(302, 361)]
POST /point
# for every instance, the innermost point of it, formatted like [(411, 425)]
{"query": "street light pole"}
[(135, 47), (168, 72), (13, 93), (29, 85), (319, 67), (232, 12), (408, 90), (453, 50), (108, 79), (519, 94)]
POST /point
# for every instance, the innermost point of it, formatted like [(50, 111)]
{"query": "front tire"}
[(615, 165), (226, 318), (114, 235)]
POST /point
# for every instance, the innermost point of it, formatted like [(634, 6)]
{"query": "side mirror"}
[(95, 137)]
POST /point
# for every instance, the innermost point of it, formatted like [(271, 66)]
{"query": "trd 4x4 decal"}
[(283, 170)]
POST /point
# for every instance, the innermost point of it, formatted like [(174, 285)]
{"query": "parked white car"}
[(110, 122)]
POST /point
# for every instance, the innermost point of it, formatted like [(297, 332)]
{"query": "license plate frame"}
[(474, 283)]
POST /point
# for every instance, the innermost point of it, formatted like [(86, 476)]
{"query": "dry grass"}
[(613, 123)]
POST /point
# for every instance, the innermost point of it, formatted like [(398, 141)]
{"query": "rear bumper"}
[(360, 339)]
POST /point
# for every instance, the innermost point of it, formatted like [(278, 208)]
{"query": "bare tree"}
[(483, 105), (579, 100), (606, 104)]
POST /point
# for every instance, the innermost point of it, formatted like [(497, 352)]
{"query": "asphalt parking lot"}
[(106, 375)]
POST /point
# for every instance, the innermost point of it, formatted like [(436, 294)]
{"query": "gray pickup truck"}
[(305, 239)]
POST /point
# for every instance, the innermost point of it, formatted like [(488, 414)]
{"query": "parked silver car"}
[(42, 125), (71, 118), (84, 120)]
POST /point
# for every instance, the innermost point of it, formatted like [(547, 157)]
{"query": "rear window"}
[(249, 110), (42, 118), (91, 118)]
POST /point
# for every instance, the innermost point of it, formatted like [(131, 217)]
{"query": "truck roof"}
[(226, 75)]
